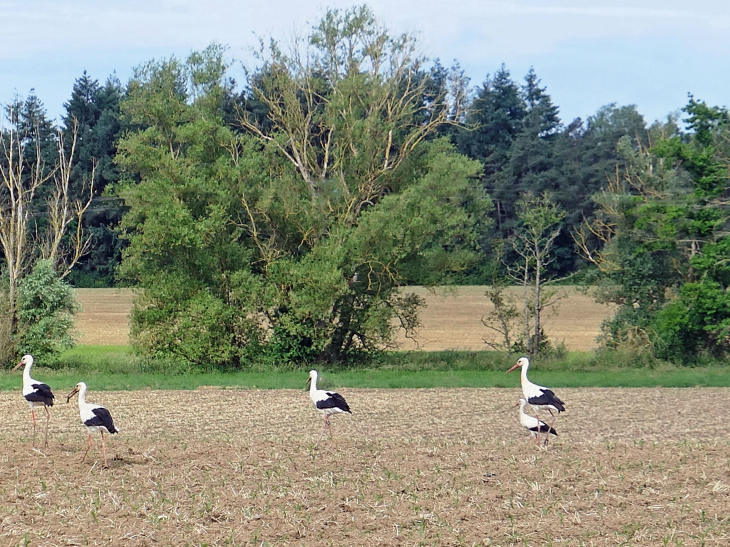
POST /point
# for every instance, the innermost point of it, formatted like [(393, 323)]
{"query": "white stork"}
[(36, 393), (533, 425), (539, 397), (94, 417), (327, 402)]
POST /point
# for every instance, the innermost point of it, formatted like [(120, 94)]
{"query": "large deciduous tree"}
[(287, 235), (664, 225)]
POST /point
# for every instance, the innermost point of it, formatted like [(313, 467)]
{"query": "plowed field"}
[(409, 467)]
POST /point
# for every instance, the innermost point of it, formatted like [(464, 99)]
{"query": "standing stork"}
[(94, 417), (539, 397), (533, 425), (327, 402), (36, 393)]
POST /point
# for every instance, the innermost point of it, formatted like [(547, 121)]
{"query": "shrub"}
[(45, 315)]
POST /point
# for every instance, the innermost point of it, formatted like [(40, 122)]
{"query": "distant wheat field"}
[(450, 320)]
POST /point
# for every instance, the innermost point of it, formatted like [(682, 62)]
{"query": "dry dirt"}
[(409, 467), (451, 320)]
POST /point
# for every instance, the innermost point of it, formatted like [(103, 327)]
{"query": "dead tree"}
[(21, 238)]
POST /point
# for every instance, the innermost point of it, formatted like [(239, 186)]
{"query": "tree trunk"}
[(536, 346), (525, 279)]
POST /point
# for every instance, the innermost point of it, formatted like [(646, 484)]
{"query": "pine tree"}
[(95, 110), (494, 119)]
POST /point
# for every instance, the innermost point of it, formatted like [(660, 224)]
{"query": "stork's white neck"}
[(313, 384), (82, 396), (523, 373), (26, 371)]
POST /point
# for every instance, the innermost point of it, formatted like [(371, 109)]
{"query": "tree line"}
[(279, 221)]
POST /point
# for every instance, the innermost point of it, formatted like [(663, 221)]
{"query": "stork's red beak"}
[(516, 365), (74, 392)]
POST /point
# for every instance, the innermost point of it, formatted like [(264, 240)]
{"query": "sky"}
[(649, 53)]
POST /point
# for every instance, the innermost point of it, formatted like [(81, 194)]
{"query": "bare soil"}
[(409, 467), (451, 319)]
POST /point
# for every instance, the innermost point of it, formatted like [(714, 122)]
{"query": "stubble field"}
[(408, 467), (451, 319)]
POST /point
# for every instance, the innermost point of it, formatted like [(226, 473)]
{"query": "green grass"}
[(116, 368)]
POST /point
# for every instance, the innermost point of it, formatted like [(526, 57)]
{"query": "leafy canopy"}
[(286, 236)]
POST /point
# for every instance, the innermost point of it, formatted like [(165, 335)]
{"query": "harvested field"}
[(409, 467), (451, 320), (104, 316)]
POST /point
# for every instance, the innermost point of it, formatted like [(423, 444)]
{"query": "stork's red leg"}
[(552, 424), (103, 448), (87, 449), (32, 413), (48, 419), (323, 431)]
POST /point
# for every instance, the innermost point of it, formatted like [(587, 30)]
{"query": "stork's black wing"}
[(547, 398), (41, 394), (102, 417), (334, 400)]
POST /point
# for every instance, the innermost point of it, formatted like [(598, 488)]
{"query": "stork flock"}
[(94, 417), (97, 418)]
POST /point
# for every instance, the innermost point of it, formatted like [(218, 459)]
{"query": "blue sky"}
[(587, 53)]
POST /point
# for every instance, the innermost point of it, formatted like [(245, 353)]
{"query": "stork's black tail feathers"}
[(544, 428)]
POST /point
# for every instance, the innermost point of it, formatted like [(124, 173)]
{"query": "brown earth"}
[(451, 319), (409, 467)]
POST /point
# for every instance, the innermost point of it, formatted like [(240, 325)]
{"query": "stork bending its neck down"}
[(534, 426)]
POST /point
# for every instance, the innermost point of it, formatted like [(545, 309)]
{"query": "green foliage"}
[(116, 368), (664, 262), (278, 245), (516, 133), (45, 317), (94, 111), (698, 321), (32, 124), (7, 347)]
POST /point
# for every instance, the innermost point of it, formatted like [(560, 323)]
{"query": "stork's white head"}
[(312, 377), (80, 387), (521, 362), (27, 360)]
